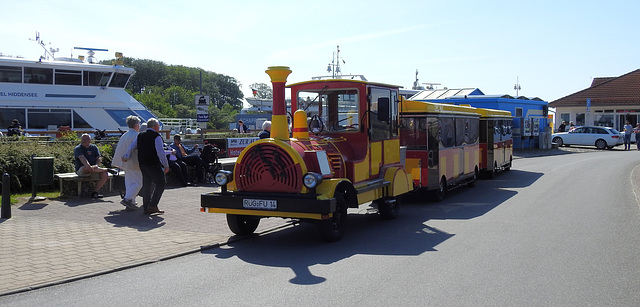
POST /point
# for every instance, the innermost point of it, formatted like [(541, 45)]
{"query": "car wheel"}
[(558, 140), (601, 144)]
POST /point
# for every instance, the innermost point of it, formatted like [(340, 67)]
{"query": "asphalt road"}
[(554, 231)]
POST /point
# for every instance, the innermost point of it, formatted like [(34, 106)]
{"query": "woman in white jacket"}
[(132, 175)]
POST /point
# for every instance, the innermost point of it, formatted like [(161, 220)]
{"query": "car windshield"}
[(614, 131)]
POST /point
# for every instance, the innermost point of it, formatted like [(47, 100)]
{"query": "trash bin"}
[(42, 170), (41, 173)]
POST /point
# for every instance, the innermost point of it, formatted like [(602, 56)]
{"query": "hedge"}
[(16, 153)]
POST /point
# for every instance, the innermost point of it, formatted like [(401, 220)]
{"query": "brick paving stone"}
[(61, 239)]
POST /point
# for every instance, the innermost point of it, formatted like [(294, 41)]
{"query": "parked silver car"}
[(600, 137)]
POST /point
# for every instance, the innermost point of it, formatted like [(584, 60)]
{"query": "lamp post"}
[(517, 87)]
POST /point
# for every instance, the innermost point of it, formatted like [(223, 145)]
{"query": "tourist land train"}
[(352, 142)]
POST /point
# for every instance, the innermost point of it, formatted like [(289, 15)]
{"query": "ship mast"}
[(47, 53)]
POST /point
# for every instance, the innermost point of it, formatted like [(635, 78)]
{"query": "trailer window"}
[(447, 132), (414, 132)]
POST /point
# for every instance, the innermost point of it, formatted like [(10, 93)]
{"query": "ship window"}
[(68, 77), (8, 114), (120, 116), (43, 118), (144, 114), (38, 75), (79, 122), (11, 74), (119, 80), (96, 78)]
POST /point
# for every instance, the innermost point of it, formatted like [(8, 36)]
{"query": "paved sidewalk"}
[(55, 241)]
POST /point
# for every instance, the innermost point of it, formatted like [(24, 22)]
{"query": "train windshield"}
[(336, 110)]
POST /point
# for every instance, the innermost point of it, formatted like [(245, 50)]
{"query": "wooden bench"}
[(73, 177)]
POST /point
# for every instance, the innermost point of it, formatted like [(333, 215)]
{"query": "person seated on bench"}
[(185, 154), (178, 167), (88, 158)]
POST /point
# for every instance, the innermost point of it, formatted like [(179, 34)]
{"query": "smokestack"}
[(279, 125)]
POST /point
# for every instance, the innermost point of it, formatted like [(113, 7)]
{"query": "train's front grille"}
[(268, 168)]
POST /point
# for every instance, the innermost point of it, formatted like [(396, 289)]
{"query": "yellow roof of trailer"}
[(412, 106), (493, 113)]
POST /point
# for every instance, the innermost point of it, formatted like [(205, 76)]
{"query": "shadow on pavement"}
[(298, 247), (134, 220)]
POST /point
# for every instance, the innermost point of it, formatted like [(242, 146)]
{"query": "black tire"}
[(472, 183), (601, 144), (332, 229), (438, 195), (492, 174), (242, 224), (388, 208), (558, 140), (508, 167)]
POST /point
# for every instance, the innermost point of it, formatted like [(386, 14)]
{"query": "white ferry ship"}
[(49, 93)]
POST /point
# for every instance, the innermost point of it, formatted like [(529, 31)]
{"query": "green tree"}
[(154, 99), (220, 118), (169, 90)]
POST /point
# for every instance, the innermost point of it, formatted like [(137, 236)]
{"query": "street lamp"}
[(517, 87)]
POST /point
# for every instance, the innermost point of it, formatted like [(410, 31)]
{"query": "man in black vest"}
[(153, 164)]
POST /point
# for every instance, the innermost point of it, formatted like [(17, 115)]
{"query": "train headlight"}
[(223, 177), (311, 180)]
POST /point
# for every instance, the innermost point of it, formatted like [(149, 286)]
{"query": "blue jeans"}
[(627, 141)]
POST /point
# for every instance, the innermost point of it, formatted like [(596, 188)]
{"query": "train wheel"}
[(388, 208), (472, 183), (492, 173), (241, 224), (438, 195), (332, 229)]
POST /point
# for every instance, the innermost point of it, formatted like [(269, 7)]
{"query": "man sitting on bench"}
[(185, 154), (88, 159)]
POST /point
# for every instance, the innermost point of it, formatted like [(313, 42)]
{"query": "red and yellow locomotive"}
[(344, 150)]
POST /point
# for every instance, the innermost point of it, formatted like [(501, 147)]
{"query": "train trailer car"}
[(344, 151), (496, 141), (442, 149)]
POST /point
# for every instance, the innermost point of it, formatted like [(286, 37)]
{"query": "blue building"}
[(531, 124)]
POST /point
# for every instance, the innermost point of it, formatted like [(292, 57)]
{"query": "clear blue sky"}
[(555, 48)]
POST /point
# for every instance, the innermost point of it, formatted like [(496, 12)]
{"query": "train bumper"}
[(268, 205)]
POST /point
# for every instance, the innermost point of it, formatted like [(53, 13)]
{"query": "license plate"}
[(267, 204)]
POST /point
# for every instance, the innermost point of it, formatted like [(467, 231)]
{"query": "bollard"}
[(6, 197)]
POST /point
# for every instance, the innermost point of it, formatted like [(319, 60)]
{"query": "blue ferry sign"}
[(202, 118)]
